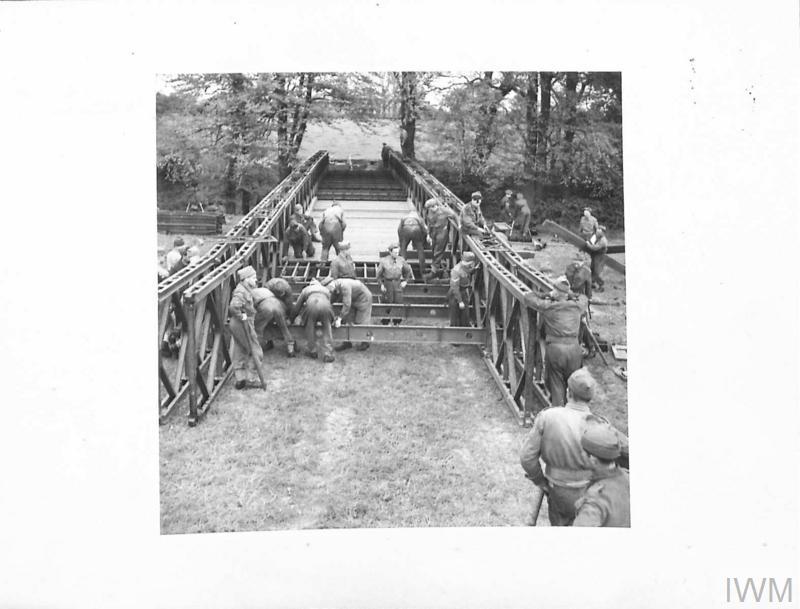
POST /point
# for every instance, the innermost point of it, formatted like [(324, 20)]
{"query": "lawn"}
[(399, 436)]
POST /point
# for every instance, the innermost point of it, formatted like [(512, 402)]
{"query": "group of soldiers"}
[(253, 309), (585, 475)]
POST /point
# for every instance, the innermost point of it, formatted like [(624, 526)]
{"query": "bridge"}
[(506, 333)]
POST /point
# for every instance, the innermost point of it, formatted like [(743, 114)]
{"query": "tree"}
[(408, 112)]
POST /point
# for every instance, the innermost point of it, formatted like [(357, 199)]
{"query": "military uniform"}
[(282, 291), (563, 353), (520, 228), (439, 218), (244, 335), (459, 291), (597, 251), (556, 438), (471, 219), (331, 230), (412, 230), (314, 305), (580, 278), (391, 272), (588, 225), (343, 266), (298, 237), (607, 501), (270, 309), (356, 304)]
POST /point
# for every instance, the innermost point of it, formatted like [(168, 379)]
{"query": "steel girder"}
[(403, 334), (203, 361), (514, 349)]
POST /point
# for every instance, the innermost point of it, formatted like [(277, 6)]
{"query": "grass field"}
[(398, 436)]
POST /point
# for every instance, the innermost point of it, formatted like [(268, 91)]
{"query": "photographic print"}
[(391, 300)]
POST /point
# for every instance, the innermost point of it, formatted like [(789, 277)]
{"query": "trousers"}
[(393, 293), (561, 504), (458, 317), (439, 240), (319, 310), (561, 360), (412, 235), (271, 311), (331, 233), (244, 339)]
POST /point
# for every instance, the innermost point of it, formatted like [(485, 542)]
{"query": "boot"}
[(268, 345), (363, 346), (345, 345), (240, 384), (327, 359), (290, 350), (311, 354)]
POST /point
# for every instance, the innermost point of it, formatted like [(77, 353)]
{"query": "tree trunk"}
[(571, 99), (545, 84), (232, 205), (485, 138), (531, 126), (408, 112), (282, 130)]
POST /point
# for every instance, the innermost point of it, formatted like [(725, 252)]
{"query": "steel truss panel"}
[(403, 334), (204, 361)]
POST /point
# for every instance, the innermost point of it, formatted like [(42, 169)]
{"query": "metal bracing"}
[(402, 334), (508, 331), (514, 347), (255, 239)]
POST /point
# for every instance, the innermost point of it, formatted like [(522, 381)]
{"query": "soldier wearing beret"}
[(242, 313), (555, 439), (343, 265), (412, 230), (607, 501), (393, 275), (458, 295), (471, 219), (561, 316), (438, 216)]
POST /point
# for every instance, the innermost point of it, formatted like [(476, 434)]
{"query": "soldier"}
[(242, 316), (588, 224), (555, 438), (343, 265), (506, 204), (272, 305), (458, 296), (356, 306), (412, 230), (331, 229), (174, 255), (385, 155), (314, 305), (472, 222), (520, 227), (597, 251), (562, 322), (438, 216), (393, 275), (607, 501), (299, 234), (579, 275)]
